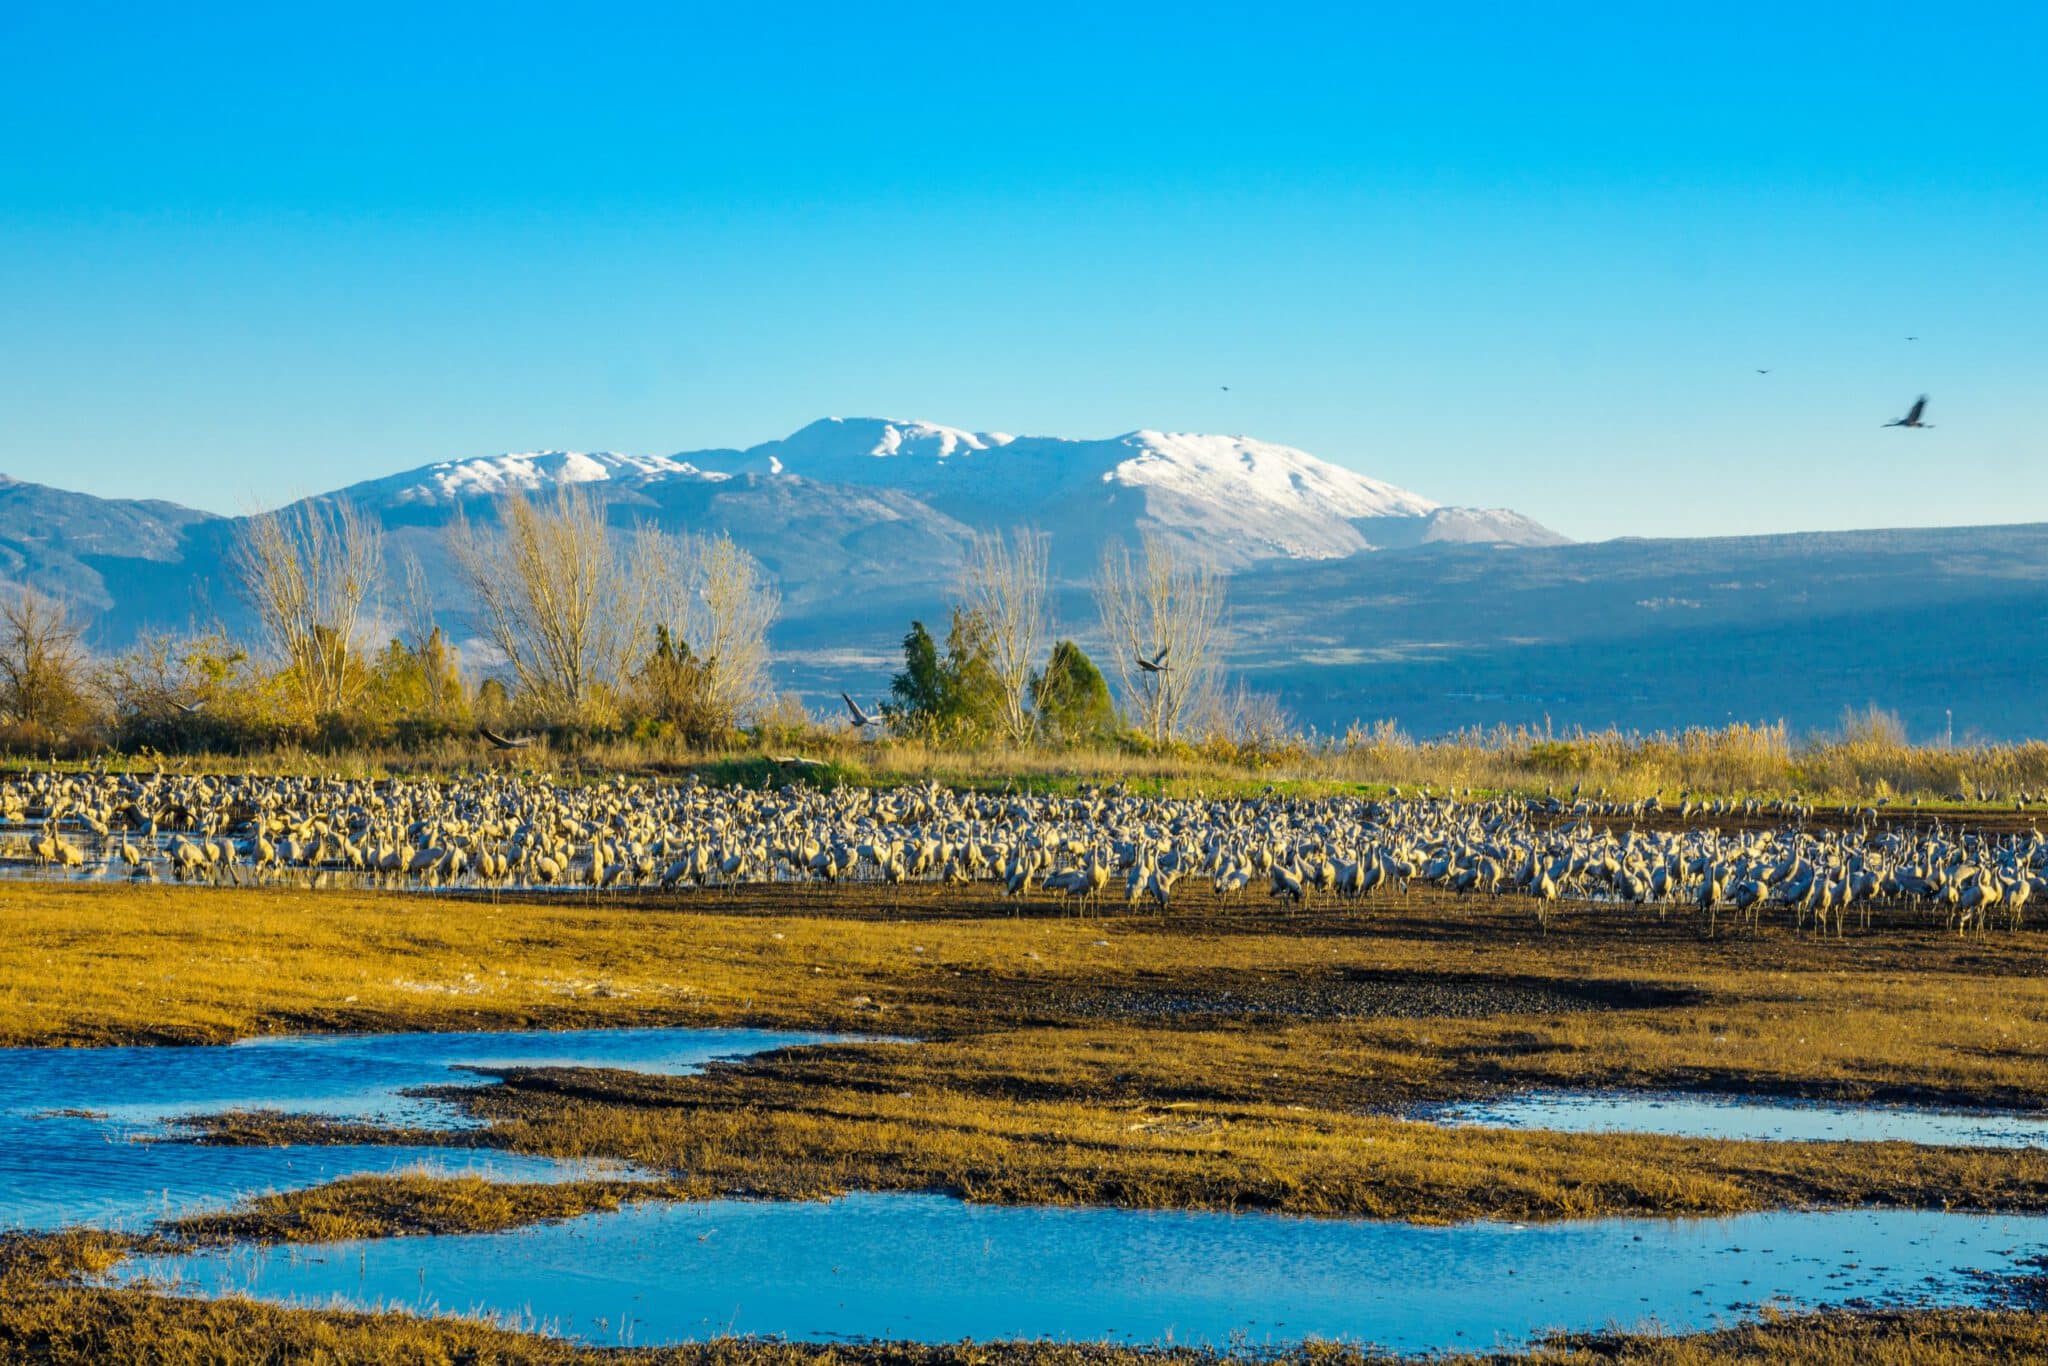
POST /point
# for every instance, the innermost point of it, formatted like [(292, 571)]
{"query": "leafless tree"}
[(1162, 615), (43, 663), (553, 594), (1251, 720), (311, 573), (737, 604), (715, 597), (1005, 581), (422, 635), (155, 678)]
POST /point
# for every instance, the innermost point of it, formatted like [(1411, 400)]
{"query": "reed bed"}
[(1866, 760)]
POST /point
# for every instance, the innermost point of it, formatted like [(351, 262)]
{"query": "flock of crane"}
[(1098, 846)]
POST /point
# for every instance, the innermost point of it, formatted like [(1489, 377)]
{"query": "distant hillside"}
[(101, 553), (1660, 634), (1352, 599)]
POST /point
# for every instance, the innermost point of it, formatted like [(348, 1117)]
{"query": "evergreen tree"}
[(1072, 697), (920, 694), (955, 696)]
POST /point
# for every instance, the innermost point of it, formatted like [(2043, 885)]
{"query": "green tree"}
[(921, 694), (1072, 697), (954, 697)]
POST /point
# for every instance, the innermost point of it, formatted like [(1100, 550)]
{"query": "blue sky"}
[(1512, 254)]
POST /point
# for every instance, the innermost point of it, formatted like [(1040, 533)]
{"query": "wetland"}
[(1215, 1093)]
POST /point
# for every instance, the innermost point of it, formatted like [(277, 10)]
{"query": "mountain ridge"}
[(1236, 498), (1352, 598)]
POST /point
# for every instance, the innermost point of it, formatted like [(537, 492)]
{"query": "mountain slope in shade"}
[(88, 550)]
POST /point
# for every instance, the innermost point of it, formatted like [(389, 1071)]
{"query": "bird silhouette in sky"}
[(1912, 417)]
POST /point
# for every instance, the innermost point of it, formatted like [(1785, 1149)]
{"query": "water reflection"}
[(80, 1128), (938, 1270), (1743, 1117)]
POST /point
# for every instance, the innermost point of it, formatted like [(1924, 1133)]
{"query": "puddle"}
[(938, 1270), (1746, 1117), (75, 1123)]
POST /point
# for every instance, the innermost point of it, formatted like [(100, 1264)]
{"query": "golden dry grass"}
[(1063, 1060), (1867, 759), (1904, 1013)]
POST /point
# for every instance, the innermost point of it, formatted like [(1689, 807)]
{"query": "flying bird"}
[(861, 720), (1763, 372), (1156, 664), (1912, 339), (1912, 417), (189, 708), (497, 741)]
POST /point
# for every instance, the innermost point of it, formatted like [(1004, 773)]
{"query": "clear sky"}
[(1528, 255)]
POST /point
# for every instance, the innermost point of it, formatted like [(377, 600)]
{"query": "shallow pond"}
[(82, 1130), (1746, 1117), (937, 1270)]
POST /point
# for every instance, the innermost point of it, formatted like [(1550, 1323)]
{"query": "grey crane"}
[(1912, 417)]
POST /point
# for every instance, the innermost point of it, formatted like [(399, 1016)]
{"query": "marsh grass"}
[(1866, 759), (1016, 1095)]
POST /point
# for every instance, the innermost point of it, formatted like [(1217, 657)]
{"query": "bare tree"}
[(1251, 720), (715, 597), (415, 601), (1163, 617), (423, 637), (554, 595), (42, 662), (310, 572), (1006, 584), (736, 606)]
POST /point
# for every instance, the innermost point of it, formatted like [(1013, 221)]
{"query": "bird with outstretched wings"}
[(1913, 414)]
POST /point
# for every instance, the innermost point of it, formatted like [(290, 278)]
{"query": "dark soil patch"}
[(1360, 994)]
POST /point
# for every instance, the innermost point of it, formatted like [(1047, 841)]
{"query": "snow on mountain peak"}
[(492, 476), (1234, 498), (856, 438), (1237, 467)]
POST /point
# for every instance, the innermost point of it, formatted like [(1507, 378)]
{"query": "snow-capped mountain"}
[(862, 521), (1235, 499)]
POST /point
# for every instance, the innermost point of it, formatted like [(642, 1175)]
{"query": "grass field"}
[(1219, 1058), (1866, 760)]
